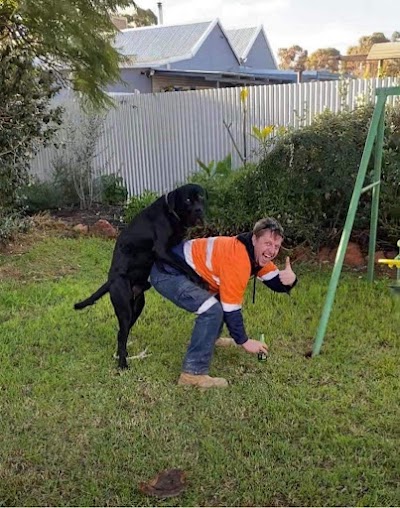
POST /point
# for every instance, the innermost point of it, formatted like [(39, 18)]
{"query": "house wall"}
[(134, 81), (215, 54), (260, 56)]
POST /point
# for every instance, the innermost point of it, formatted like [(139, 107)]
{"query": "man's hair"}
[(267, 224)]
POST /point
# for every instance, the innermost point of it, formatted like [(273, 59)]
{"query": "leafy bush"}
[(11, 224), (215, 169), (60, 191), (389, 207), (63, 181), (138, 203), (227, 211), (113, 190), (26, 117), (74, 163), (306, 181), (39, 196)]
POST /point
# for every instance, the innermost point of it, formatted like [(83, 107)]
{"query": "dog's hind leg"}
[(137, 307), (121, 298)]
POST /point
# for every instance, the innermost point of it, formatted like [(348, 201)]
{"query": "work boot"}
[(202, 380), (225, 342)]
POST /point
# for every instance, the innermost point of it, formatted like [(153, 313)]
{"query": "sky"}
[(311, 24)]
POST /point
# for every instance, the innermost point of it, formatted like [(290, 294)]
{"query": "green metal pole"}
[(380, 105), (375, 196)]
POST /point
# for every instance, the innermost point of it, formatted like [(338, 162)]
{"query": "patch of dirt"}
[(10, 272), (61, 223), (74, 216), (168, 483)]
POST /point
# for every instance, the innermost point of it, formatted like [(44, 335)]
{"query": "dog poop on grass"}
[(168, 483)]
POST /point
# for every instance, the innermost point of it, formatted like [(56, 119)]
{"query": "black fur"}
[(147, 238)]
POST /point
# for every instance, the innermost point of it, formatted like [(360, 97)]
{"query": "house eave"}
[(227, 76)]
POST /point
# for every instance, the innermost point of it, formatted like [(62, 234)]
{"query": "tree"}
[(366, 69), (293, 58), (360, 68), (366, 42), (142, 17), (324, 58), (395, 37), (75, 39), (26, 118)]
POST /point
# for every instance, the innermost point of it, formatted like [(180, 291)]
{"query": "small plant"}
[(262, 134), (139, 203), (215, 169), (38, 196), (267, 137), (74, 165), (113, 190), (12, 224)]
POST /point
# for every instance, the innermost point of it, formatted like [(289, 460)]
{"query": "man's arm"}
[(234, 322), (232, 288), (281, 281)]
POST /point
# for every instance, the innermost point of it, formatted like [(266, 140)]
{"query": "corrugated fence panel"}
[(153, 140)]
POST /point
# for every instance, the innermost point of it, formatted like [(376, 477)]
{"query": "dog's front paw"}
[(122, 362)]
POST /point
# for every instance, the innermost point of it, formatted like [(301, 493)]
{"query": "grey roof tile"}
[(160, 43), (241, 38)]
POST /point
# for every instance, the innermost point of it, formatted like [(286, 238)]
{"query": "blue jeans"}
[(176, 287)]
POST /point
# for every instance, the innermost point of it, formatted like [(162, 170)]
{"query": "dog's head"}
[(188, 203)]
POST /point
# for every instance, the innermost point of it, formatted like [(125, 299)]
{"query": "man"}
[(226, 264)]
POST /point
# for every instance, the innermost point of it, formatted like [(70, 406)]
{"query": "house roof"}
[(242, 39), (384, 50), (164, 44)]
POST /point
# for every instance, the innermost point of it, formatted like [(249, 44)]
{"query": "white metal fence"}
[(153, 140)]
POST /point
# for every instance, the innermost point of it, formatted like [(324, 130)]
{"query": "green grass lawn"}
[(288, 432)]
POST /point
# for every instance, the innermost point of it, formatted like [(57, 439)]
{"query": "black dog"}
[(146, 239)]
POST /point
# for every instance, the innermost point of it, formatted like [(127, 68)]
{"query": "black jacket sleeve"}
[(235, 324), (276, 285)]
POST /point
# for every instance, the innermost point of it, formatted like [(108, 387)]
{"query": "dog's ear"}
[(170, 199)]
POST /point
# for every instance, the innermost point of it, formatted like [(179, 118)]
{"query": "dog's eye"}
[(188, 201)]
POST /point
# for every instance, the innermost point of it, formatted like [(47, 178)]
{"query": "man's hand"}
[(255, 346), (287, 276)]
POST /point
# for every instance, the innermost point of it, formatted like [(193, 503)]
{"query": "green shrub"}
[(306, 181), (227, 208), (11, 224), (389, 206), (27, 120), (39, 196), (138, 203), (74, 163), (113, 190), (63, 181), (216, 169)]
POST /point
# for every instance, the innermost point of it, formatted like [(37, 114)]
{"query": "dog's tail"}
[(94, 297)]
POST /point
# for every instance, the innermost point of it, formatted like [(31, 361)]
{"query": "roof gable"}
[(163, 44), (243, 39)]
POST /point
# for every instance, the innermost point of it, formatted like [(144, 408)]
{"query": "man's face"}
[(266, 247)]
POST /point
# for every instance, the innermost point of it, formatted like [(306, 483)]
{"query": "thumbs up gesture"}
[(287, 275)]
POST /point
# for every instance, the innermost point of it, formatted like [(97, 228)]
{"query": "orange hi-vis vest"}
[(224, 262)]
